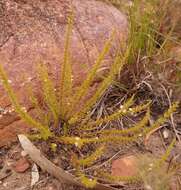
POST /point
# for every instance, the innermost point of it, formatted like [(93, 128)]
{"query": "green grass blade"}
[(49, 93)]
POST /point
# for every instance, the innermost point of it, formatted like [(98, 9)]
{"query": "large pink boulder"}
[(31, 31)]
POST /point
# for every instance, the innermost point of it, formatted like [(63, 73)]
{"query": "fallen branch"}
[(48, 166)]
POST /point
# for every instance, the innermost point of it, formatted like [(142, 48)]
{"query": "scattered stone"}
[(9, 162), (51, 188), (5, 184), (125, 166), (21, 165), (23, 153), (165, 133), (148, 187)]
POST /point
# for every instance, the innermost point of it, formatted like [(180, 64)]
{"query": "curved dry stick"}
[(51, 168)]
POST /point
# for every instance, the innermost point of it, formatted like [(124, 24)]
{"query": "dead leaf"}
[(34, 175)]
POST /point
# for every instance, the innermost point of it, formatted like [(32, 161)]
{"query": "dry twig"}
[(171, 116)]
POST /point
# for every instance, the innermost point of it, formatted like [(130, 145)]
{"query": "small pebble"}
[(165, 134), (51, 188), (148, 187), (9, 162), (23, 153), (21, 165), (5, 184)]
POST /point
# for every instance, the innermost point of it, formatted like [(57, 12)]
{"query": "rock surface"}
[(33, 31), (124, 167), (21, 165)]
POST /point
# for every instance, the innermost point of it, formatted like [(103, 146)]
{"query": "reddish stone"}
[(21, 165), (33, 31), (124, 166)]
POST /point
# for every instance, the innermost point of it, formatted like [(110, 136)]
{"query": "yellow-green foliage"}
[(151, 171), (44, 119), (123, 111), (53, 147), (88, 182), (76, 125), (89, 160), (65, 89), (147, 19), (163, 118), (83, 89), (154, 172), (44, 130), (116, 179), (143, 22), (49, 94), (137, 128), (167, 154)]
